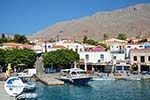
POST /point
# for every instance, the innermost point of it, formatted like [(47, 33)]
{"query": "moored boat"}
[(75, 76)]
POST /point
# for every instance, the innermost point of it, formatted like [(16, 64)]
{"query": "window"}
[(87, 57), (80, 49), (114, 57), (73, 73), (120, 47), (99, 61), (119, 68), (126, 68), (148, 58), (141, 46), (134, 58), (128, 46), (49, 46), (142, 58), (102, 57)]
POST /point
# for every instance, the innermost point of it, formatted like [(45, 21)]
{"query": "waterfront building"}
[(140, 60), (117, 48), (96, 61), (130, 46), (122, 66)]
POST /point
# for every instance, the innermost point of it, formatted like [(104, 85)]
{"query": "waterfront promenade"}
[(48, 79)]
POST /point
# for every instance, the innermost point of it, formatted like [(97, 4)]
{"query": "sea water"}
[(96, 90)]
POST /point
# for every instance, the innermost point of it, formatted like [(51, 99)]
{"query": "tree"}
[(60, 58), (20, 39), (2, 57), (92, 42), (3, 38), (85, 39), (121, 36), (20, 57), (3, 35), (89, 41), (105, 36)]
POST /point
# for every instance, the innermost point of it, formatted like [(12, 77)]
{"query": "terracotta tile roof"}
[(134, 43), (11, 45), (98, 48), (140, 50), (58, 46), (27, 46)]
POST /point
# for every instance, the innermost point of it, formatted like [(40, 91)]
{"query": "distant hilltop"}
[(132, 21)]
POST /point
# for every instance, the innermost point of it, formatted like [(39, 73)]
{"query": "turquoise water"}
[(97, 90)]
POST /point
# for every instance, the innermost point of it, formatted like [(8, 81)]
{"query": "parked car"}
[(27, 72)]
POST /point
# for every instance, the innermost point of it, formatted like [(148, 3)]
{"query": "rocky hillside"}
[(134, 20)]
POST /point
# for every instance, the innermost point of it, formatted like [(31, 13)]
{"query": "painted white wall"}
[(119, 56), (94, 57), (133, 46), (139, 54), (37, 48), (48, 46), (72, 46)]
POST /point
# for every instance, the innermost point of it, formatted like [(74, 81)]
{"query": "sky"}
[(31, 16)]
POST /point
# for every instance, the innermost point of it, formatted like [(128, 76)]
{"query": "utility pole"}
[(45, 46)]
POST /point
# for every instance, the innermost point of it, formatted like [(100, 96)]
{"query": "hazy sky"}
[(30, 16)]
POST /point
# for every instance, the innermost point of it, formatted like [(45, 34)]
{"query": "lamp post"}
[(45, 46)]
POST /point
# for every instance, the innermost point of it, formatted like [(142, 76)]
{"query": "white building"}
[(71, 45), (130, 46), (140, 60), (46, 47), (95, 60), (116, 44)]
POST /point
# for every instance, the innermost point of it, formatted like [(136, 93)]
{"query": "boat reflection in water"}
[(75, 76), (29, 91)]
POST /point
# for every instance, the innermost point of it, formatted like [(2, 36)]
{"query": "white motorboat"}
[(75, 76)]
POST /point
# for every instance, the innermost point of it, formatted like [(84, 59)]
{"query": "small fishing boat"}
[(75, 76)]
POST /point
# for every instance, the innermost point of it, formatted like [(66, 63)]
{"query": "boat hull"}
[(77, 80)]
